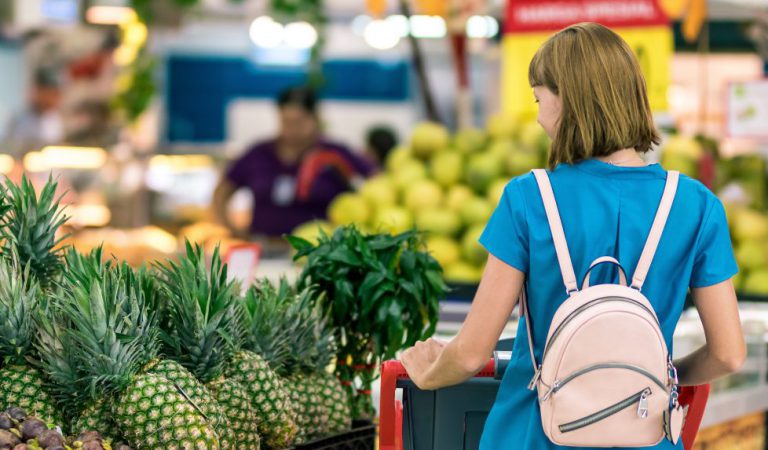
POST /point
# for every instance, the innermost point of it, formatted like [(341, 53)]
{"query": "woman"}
[(593, 104), (294, 177)]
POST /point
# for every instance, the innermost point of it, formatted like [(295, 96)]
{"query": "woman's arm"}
[(221, 197), (725, 350), (432, 364)]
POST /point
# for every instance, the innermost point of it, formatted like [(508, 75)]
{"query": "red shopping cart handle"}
[(390, 423), (391, 427)]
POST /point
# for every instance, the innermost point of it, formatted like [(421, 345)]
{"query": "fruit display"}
[(749, 233), (446, 186), (172, 355), (682, 154), (742, 185)]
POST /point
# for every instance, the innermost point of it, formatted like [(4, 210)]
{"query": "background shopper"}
[(292, 177)]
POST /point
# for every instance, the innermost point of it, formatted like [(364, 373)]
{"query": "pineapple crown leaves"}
[(287, 328), (4, 204), (83, 270), (265, 309), (60, 365), (29, 228), (203, 322), (313, 345), (99, 333), (19, 300)]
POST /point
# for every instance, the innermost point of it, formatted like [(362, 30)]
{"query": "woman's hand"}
[(433, 364), (419, 359)]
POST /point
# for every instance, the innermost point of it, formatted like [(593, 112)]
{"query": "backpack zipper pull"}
[(535, 379), (642, 407)]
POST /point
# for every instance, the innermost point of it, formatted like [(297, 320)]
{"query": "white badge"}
[(284, 190)]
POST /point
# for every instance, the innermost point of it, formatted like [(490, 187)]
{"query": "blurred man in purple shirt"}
[(293, 177)]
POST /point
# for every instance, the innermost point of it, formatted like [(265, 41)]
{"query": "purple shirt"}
[(276, 208)]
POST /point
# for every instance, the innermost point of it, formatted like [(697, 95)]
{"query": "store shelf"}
[(730, 405)]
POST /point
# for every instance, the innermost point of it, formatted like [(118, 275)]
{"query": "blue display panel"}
[(199, 88)]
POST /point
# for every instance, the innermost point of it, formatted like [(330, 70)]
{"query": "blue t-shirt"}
[(606, 210)]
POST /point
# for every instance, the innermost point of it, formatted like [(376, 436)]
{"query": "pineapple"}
[(304, 321), (20, 384), (191, 387), (97, 335), (203, 325), (28, 227), (334, 404), (290, 328), (243, 420), (29, 230), (256, 369), (97, 416), (268, 395)]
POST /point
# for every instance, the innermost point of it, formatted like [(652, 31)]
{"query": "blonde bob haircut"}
[(605, 102)]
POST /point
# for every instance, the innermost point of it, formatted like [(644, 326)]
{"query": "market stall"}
[(139, 110)]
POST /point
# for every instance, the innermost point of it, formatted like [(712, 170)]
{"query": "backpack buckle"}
[(672, 373), (535, 379)]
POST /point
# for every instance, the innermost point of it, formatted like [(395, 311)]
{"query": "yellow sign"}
[(653, 46)]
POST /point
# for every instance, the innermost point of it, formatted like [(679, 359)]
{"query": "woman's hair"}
[(605, 103), (303, 97)]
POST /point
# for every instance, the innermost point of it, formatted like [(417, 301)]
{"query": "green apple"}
[(428, 138)]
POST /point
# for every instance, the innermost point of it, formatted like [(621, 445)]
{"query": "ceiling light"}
[(381, 35), (301, 35), (267, 33)]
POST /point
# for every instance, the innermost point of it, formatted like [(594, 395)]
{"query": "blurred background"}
[(240, 121), (142, 107)]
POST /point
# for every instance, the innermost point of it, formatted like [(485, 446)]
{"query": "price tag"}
[(747, 110), (242, 261)]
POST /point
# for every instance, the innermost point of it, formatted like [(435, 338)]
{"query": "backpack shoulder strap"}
[(662, 214), (556, 228)]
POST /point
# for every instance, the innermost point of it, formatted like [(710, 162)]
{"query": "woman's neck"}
[(627, 157)]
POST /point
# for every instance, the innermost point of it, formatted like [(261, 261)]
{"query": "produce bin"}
[(361, 437), (453, 418)]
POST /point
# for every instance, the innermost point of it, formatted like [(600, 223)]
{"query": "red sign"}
[(551, 15)]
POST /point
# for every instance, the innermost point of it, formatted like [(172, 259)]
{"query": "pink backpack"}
[(606, 378)]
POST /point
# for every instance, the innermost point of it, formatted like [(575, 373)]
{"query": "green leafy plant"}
[(137, 95), (381, 295)]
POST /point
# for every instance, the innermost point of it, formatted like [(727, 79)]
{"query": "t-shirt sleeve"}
[(506, 235), (714, 261)]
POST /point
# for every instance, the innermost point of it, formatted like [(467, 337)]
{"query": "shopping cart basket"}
[(453, 418)]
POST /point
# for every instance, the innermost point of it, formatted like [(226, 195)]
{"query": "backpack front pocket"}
[(561, 383), (640, 398), (613, 400)]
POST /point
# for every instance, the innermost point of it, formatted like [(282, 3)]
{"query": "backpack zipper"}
[(642, 411), (582, 308), (558, 384)]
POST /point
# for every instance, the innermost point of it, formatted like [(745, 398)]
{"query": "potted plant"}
[(382, 295)]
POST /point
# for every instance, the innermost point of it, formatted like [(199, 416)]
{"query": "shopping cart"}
[(453, 418)]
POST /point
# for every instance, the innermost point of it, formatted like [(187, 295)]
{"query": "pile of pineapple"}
[(174, 356), (444, 185)]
